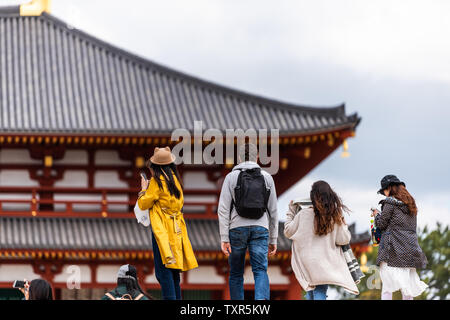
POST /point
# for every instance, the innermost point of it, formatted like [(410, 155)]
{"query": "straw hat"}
[(162, 156)]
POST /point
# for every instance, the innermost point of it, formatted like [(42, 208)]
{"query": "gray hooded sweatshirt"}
[(227, 195)]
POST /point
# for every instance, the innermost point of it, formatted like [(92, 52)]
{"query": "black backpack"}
[(250, 194)]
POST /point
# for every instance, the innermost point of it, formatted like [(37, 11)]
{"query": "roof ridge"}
[(10, 11), (337, 110), (153, 87)]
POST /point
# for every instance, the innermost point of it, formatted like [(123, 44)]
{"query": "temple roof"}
[(28, 233), (57, 79)]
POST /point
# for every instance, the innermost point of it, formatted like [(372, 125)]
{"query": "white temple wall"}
[(17, 156), (197, 180), (274, 273), (11, 272), (73, 179), (205, 275), (107, 273), (81, 273), (109, 157), (108, 179), (74, 157), (17, 178), (151, 278)]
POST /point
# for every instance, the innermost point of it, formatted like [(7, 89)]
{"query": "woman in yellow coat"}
[(163, 196)]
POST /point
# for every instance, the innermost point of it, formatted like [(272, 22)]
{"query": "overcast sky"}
[(387, 60)]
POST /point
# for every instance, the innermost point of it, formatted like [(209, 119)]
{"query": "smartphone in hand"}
[(19, 284), (374, 211)]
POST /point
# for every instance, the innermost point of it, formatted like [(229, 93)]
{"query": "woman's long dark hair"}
[(40, 290), (328, 208), (168, 172), (132, 284), (400, 193)]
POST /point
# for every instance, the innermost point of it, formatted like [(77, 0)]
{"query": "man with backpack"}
[(248, 219)]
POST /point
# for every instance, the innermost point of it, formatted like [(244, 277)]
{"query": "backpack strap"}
[(231, 207), (266, 199), (139, 296), (266, 191), (232, 199), (127, 296), (109, 295)]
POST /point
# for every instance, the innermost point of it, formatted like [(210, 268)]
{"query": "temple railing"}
[(93, 202)]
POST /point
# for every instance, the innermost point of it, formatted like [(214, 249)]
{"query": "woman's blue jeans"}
[(169, 279), (256, 239), (319, 293)]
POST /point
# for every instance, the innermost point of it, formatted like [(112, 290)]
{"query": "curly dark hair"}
[(328, 208)]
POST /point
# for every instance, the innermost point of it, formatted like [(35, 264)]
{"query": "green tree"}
[(435, 245)]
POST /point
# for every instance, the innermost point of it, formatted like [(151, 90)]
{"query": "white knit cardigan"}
[(317, 259)]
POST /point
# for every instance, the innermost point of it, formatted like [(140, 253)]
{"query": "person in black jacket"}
[(128, 287), (399, 253)]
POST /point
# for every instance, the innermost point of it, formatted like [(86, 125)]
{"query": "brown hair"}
[(328, 208), (399, 192)]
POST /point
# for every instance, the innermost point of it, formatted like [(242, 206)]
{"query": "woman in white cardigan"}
[(317, 232)]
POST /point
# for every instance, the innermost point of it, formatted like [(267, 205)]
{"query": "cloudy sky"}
[(387, 60)]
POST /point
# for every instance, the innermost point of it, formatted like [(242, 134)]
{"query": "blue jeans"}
[(169, 279), (319, 293), (256, 239)]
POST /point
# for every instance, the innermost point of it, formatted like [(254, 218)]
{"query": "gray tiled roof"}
[(109, 234), (57, 79)]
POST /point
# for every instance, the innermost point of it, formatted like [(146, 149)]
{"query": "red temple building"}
[(78, 119)]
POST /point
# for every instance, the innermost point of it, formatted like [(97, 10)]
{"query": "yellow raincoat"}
[(168, 225)]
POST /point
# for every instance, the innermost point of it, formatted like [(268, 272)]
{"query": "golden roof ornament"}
[(345, 153), (35, 7)]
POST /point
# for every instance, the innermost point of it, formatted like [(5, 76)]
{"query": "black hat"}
[(389, 180)]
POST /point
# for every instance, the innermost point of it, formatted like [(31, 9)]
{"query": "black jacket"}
[(119, 291), (399, 246)]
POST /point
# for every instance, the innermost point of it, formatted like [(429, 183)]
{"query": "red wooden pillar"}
[(226, 289), (144, 269), (93, 268), (47, 271), (141, 276), (46, 175), (91, 168), (294, 291), (133, 180), (223, 269)]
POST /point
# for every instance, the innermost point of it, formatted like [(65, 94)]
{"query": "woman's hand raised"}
[(144, 183), (293, 207)]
